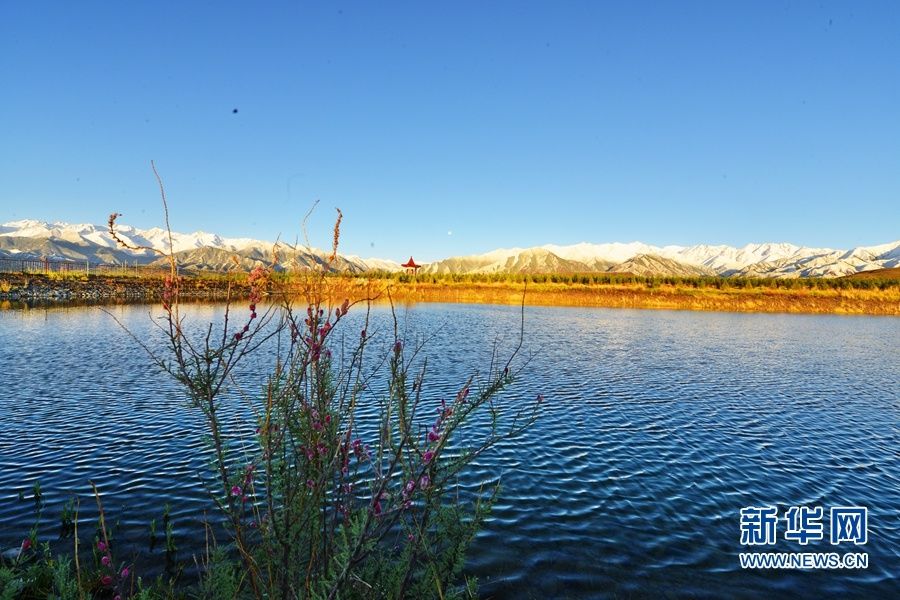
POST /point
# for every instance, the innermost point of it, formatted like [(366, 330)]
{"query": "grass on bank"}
[(873, 280), (874, 292)]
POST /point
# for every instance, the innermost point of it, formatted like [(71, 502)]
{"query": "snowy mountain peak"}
[(58, 240), (780, 259), (210, 250)]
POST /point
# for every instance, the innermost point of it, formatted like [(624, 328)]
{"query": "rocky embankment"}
[(27, 287)]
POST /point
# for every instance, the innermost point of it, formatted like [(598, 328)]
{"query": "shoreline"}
[(97, 289), (842, 302)]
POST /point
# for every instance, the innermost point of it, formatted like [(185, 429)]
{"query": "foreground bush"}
[(323, 505)]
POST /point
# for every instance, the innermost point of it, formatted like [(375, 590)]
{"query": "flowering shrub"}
[(317, 510), (324, 505)]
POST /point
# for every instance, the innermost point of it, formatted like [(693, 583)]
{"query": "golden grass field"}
[(621, 295), (862, 294)]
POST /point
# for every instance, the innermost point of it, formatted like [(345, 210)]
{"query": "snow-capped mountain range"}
[(201, 250), (752, 260)]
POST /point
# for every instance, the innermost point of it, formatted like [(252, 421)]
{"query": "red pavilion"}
[(411, 267)]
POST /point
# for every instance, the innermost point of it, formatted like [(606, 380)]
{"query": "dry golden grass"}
[(837, 301), (893, 273), (875, 300)]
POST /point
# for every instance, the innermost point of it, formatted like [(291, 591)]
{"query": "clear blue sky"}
[(505, 123)]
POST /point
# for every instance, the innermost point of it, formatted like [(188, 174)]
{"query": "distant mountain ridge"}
[(208, 251), (753, 260), (198, 251)]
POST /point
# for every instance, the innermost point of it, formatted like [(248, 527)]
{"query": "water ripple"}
[(658, 428)]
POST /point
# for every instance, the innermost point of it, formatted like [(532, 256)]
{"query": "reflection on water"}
[(658, 427)]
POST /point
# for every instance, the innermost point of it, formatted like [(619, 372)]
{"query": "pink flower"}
[(26, 544), (101, 546), (105, 560), (107, 580), (428, 456), (236, 490), (238, 336), (117, 597), (424, 482), (433, 436), (125, 573), (258, 273)]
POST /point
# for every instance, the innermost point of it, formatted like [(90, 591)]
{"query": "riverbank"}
[(672, 297), (674, 294), (27, 287), (638, 295)]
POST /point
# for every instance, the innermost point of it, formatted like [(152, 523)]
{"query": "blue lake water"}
[(658, 427)]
